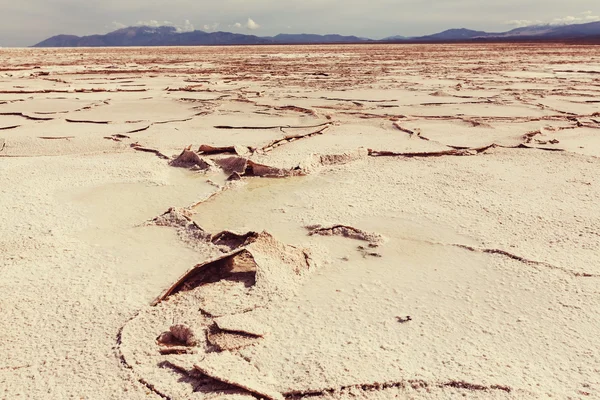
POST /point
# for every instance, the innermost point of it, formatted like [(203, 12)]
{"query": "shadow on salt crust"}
[(243, 263)]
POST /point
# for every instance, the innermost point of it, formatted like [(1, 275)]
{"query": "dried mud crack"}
[(526, 261), (121, 357), (272, 126), (291, 138), (413, 384)]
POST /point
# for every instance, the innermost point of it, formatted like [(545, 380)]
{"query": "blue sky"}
[(24, 23)]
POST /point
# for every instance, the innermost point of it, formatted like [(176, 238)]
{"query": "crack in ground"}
[(291, 138), (480, 120), (29, 117), (272, 126), (121, 357), (509, 255), (297, 109), (506, 254), (410, 132), (173, 121), (524, 260), (85, 121), (138, 147), (140, 129), (453, 152), (355, 100), (459, 151), (32, 91), (414, 384)]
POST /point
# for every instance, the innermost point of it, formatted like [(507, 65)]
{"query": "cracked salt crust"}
[(492, 254)]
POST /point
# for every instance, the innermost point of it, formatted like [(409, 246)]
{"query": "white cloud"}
[(252, 25), (151, 23), (584, 17), (211, 27), (237, 25), (565, 20), (118, 25), (187, 27), (519, 23)]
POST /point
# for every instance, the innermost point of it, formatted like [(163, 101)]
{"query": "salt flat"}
[(375, 222)]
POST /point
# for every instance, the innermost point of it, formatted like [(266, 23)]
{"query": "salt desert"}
[(289, 222)]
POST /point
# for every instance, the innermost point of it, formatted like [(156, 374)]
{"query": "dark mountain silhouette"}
[(455, 34), (149, 36), (589, 30), (170, 36)]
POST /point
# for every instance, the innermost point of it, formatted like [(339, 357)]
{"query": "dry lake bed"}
[(323, 222)]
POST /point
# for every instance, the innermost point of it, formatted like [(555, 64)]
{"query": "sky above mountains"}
[(24, 23)]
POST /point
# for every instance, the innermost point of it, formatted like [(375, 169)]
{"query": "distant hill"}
[(393, 38), (170, 36), (311, 38), (150, 36), (455, 34), (589, 30)]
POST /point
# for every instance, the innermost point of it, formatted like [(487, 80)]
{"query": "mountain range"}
[(170, 36)]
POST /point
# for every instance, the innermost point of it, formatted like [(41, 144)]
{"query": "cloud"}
[(586, 16), (152, 23), (212, 27), (118, 25), (252, 25), (187, 27), (519, 23)]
